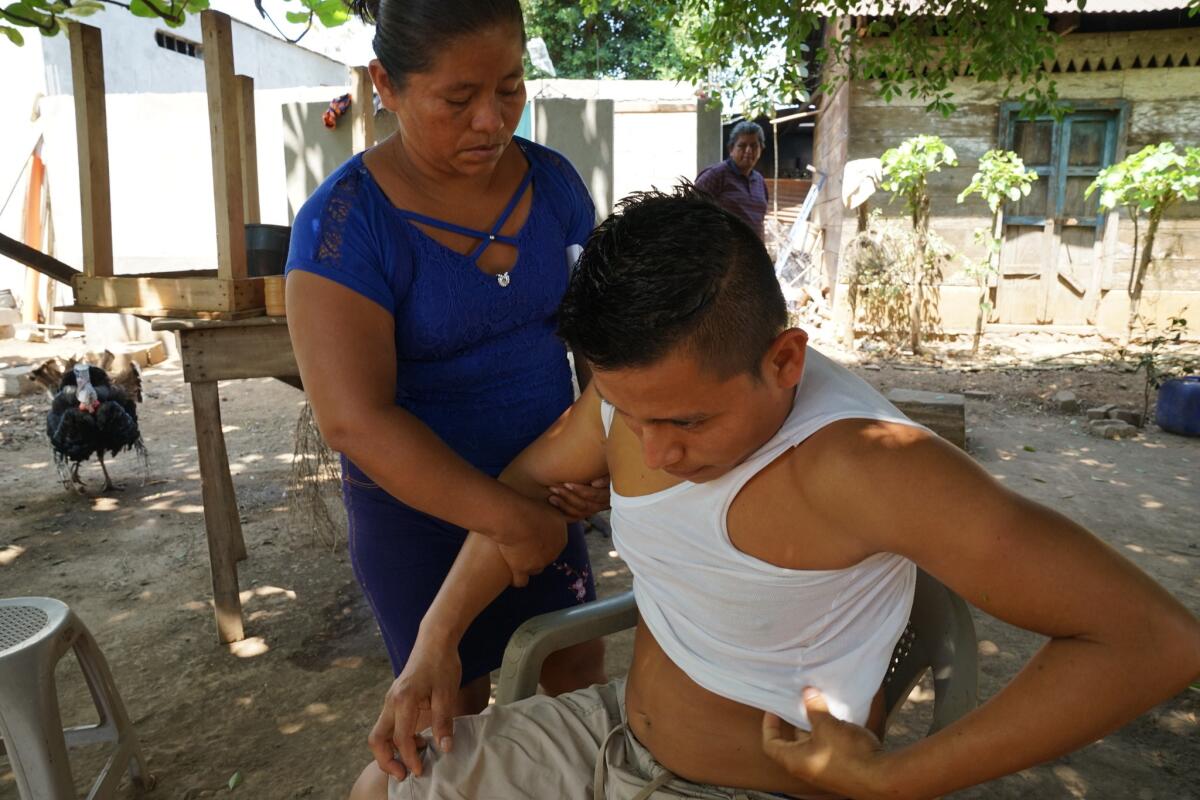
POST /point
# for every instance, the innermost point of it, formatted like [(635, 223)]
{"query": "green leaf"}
[(196, 6), (85, 8), (140, 8), (298, 17), (235, 780), (13, 35), (26, 16), (1029, 448)]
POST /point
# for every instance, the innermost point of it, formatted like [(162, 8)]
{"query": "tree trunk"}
[(979, 318), (1138, 279), (993, 267), (921, 228)]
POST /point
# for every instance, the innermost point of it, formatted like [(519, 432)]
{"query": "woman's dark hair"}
[(671, 270), (745, 128), (409, 33)]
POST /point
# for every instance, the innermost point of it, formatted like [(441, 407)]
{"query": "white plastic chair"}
[(35, 633), (940, 637)]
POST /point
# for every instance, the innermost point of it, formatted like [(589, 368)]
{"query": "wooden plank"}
[(362, 105), (1049, 270), (249, 151), (166, 313), (173, 324), (221, 520), (91, 133), (235, 352), (37, 260), (169, 292), (226, 144)]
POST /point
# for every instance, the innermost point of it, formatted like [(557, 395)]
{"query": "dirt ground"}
[(287, 711)]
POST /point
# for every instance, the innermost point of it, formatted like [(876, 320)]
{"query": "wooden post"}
[(31, 312), (226, 144), (249, 153), (91, 132), (221, 520), (362, 107)]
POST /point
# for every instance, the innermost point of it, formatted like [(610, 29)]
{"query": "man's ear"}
[(783, 364)]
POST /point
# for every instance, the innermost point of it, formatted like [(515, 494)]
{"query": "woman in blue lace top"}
[(423, 282)]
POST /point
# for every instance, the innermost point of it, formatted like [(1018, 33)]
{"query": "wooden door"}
[(1050, 263)]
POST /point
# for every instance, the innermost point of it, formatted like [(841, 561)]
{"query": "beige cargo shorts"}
[(572, 747)]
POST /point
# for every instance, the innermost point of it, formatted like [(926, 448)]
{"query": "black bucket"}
[(266, 249)]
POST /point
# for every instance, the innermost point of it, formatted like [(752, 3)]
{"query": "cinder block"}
[(944, 414), (14, 381)]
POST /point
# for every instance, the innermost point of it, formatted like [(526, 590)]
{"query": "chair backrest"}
[(940, 637)]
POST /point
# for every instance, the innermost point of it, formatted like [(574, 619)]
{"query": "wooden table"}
[(222, 350)]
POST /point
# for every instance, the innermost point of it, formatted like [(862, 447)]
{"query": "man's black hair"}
[(669, 270)]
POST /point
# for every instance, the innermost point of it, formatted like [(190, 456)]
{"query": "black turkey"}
[(93, 415)]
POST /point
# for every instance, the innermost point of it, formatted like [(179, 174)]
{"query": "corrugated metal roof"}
[(1113, 6)]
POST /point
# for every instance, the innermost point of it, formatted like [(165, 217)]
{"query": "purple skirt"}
[(401, 556)]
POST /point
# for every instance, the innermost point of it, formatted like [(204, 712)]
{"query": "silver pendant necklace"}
[(503, 279)]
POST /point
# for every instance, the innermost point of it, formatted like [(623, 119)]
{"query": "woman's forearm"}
[(408, 461)]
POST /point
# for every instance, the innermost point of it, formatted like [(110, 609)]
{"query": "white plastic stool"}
[(35, 632)]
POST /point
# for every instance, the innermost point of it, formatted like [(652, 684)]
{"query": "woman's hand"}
[(429, 683), (536, 539), (837, 756), (578, 501)]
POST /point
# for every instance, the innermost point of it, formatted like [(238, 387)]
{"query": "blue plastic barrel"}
[(1178, 409)]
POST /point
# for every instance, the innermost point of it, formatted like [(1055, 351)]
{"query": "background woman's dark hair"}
[(410, 33), (668, 270)]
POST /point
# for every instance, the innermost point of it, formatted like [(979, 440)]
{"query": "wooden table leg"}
[(225, 544)]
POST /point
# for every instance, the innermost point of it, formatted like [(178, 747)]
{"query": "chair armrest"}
[(542, 635)]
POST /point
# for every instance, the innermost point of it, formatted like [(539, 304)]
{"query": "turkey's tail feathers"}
[(129, 380)]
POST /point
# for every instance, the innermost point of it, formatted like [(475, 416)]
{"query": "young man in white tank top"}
[(771, 507)]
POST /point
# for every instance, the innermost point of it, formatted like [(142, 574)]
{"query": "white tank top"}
[(748, 630)]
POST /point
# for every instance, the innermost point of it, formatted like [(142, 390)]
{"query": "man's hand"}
[(837, 756), (578, 501), (429, 682), (535, 540)]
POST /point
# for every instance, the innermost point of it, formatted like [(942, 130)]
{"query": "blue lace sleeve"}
[(572, 201), (582, 209), (332, 237)]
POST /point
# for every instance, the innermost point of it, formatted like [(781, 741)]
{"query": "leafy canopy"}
[(607, 38), (1001, 176), (1150, 180), (48, 16), (918, 54), (907, 168)]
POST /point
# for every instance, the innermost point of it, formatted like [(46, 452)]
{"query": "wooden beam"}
[(91, 132), (36, 259), (249, 151), (237, 352), (362, 105), (221, 521), (225, 133), (180, 292)]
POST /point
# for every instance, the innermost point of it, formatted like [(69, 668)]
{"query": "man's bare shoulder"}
[(855, 473), (849, 446)]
